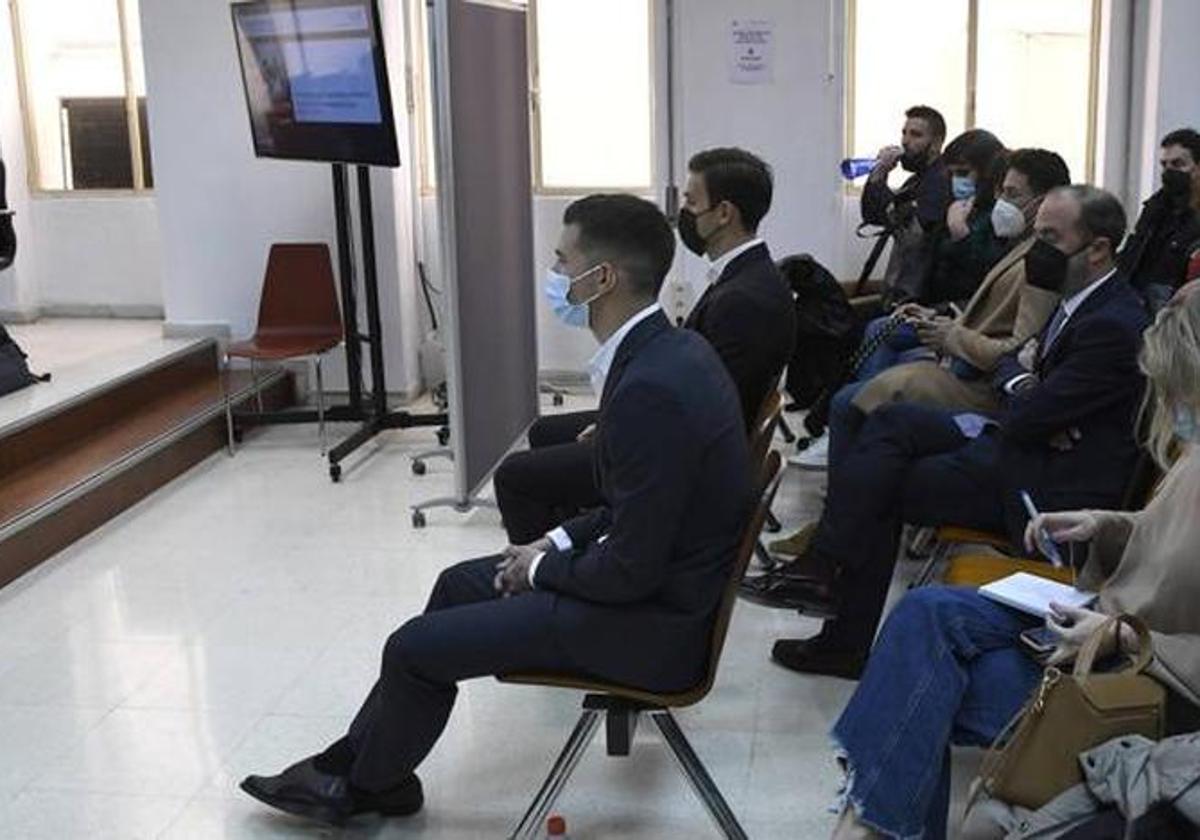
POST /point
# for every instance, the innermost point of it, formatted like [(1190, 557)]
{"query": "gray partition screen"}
[(481, 88)]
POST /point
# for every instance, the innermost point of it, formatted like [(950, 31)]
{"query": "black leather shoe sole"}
[(317, 811), (404, 800)]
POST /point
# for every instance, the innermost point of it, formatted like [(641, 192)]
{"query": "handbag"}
[(1069, 714)]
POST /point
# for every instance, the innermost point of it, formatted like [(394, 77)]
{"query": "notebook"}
[(1032, 594)]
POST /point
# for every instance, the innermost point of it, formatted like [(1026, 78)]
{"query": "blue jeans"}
[(899, 347), (947, 668)]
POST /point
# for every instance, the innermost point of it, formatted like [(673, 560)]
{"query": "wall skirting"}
[(196, 329), (18, 316), (81, 310)]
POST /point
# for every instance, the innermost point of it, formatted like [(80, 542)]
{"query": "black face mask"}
[(912, 162), (689, 233), (1048, 268), (1177, 184)]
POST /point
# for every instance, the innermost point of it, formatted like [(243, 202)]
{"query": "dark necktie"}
[(1056, 325)]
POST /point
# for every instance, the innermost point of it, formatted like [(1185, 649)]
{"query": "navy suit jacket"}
[(1088, 391), (749, 318), (638, 591)]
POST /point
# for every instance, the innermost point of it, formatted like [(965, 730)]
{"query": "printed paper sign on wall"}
[(750, 44)]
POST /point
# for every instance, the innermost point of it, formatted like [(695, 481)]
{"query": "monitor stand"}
[(370, 410)]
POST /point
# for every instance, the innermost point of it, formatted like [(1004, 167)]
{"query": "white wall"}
[(220, 208), (18, 288), (1169, 89), (98, 256), (794, 123)]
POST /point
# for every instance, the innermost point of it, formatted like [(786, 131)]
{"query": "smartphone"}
[(1041, 640), (1046, 546)]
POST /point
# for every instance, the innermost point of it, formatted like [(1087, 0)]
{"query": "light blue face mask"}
[(963, 186), (558, 290), (1185, 424)]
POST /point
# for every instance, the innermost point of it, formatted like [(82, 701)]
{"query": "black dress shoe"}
[(304, 791), (818, 656), (782, 591), (404, 800)]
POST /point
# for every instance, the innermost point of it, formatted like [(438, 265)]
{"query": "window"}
[(420, 99), (84, 93), (575, 98), (1023, 69), (591, 117)]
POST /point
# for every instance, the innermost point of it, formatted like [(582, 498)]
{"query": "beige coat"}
[(1148, 564), (1003, 314)]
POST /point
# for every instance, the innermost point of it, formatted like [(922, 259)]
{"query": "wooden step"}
[(70, 468)]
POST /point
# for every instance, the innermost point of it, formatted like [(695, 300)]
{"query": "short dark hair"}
[(739, 177), (933, 118), (627, 231), (1100, 213), (1189, 138), (1044, 169)]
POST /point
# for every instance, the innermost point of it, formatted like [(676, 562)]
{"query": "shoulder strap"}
[(1091, 648)]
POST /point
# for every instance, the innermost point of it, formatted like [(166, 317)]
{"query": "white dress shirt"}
[(598, 369), (600, 363), (717, 267), (1069, 306)]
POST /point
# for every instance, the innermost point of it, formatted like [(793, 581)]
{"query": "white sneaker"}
[(815, 457)]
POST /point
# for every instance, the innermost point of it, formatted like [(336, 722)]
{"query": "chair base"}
[(621, 716)]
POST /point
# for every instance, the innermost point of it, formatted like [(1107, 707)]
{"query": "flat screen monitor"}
[(316, 80)]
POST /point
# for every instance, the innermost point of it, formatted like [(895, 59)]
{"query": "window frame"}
[(535, 128), (851, 54), (132, 122), (419, 106)]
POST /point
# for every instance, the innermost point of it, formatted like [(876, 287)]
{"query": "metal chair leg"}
[(531, 824), (921, 542), (257, 390), (784, 429), (698, 776), (223, 374), (939, 553), (772, 525), (320, 406), (765, 560)]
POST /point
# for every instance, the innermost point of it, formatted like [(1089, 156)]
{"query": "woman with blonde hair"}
[(949, 666)]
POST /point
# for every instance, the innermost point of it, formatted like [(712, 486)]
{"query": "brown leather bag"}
[(1069, 714)]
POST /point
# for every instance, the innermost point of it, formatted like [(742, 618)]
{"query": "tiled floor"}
[(232, 622)]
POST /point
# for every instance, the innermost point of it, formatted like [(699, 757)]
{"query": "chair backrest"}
[(299, 296), (763, 430), (770, 473)]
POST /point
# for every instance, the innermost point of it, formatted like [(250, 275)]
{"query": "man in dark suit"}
[(1066, 435), (1167, 233), (746, 313), (630, 593)]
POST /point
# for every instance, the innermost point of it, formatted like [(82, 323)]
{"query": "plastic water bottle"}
[(556, 826), (857, 167)]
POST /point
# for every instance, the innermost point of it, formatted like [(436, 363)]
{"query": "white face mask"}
[(1185, 424), (1008, 220)]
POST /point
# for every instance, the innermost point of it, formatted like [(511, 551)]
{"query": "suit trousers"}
[(466, 631), (908, 463), (554, 480)]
